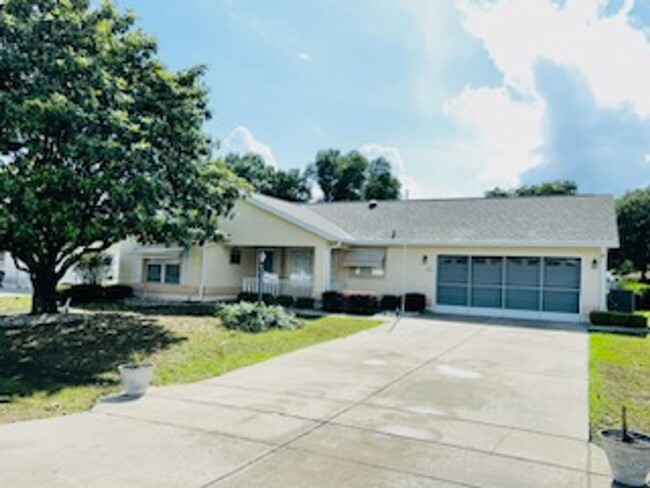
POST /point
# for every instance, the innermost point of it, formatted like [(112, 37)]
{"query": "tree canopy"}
[(561, 187), (352, 177), (633, 210), (292, 185), (98, 141)]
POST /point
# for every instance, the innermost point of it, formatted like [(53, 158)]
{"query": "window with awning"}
[(364, 262), (364, 258)]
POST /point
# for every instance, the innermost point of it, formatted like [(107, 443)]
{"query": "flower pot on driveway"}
[(136, 378), (628, 459)]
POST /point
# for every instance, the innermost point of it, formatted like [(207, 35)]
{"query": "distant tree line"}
[(340, 177)]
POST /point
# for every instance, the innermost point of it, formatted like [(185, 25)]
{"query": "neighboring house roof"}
[(571, 221)]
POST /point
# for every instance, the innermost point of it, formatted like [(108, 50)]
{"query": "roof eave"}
[(484, 243)]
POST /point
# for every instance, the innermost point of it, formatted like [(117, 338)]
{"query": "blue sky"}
[(459, 95)]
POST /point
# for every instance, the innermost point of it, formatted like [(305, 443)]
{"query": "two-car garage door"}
[(525, 286)]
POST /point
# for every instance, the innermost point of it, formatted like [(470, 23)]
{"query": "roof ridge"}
[(454, 199)]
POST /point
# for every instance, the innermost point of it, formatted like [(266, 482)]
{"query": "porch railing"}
[(279, 286)]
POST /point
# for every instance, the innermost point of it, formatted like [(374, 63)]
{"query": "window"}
[(235, 256), (169, 273), (365, 262), (364, 271)]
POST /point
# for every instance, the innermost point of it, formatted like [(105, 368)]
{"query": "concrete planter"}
[(136, 378), (629, 461)]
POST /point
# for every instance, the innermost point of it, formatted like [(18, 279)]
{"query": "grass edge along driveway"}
[(184, 348)]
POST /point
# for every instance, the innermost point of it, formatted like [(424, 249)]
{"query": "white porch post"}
[(322, 269)]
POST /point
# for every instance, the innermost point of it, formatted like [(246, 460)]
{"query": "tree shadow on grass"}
[(73, 350), (186, 309)]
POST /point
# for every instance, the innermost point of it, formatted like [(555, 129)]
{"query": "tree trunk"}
[(44, 281)]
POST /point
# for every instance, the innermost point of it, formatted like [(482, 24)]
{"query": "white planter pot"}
[(629, 461), (135, 378)]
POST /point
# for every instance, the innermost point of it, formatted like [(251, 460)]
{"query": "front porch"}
[(277, 270)]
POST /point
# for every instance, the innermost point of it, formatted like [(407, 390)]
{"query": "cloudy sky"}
[(460, 95)]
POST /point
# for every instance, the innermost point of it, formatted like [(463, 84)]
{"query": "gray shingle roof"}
[(574, 221)]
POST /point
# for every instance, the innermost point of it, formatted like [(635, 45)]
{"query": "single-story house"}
[(535, 257)]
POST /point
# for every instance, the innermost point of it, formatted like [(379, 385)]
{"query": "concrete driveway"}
[(425, 403)]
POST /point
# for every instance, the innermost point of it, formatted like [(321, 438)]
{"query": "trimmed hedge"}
[(84, 294), (333, 301), (285, 301), (618, 319), (415, 302), (247, 297), (363, 304), (391, 303), (306, 303)]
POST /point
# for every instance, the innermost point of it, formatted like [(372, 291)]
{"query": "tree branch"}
[(77, 254)]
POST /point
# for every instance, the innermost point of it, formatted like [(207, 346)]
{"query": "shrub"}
[(117, 292), (364, 304), (618, 319), (391, 302), (93, 268), (333, 301), (285, 301), (414, 302), (247, 297), (643, 299), (306, 303), (80, 294), (84, 294), (269, 299), (256, 317)]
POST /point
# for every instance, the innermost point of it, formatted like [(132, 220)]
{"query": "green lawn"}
[(13, 305), (619, 375), (62, 368)]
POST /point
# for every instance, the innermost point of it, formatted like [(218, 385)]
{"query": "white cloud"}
[(611, 55), (501, 128), (373, 150), (241, 140), (504, 135), (303, 56)]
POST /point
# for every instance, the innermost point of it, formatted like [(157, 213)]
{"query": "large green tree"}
[(98, 141), (549, 188), (292, 185), (352, 177), (380, 183), (633, 210)]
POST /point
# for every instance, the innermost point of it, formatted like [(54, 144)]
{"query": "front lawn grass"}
[(619, 372), (10, 305), (62, 368)]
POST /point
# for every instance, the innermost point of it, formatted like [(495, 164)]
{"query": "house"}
[(536, 257)]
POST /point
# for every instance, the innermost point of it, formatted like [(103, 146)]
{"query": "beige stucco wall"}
[(250, 228), (408, 267)]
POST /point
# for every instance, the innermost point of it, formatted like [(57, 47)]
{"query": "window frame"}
[(163, 263)]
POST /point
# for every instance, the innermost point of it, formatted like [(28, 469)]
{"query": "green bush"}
[(305, 303), (83, 294), (285, 301), (247, 297), (269, 299), (256, 317), (618, 319)]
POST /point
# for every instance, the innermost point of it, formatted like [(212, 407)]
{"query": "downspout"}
[(602, 280)]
